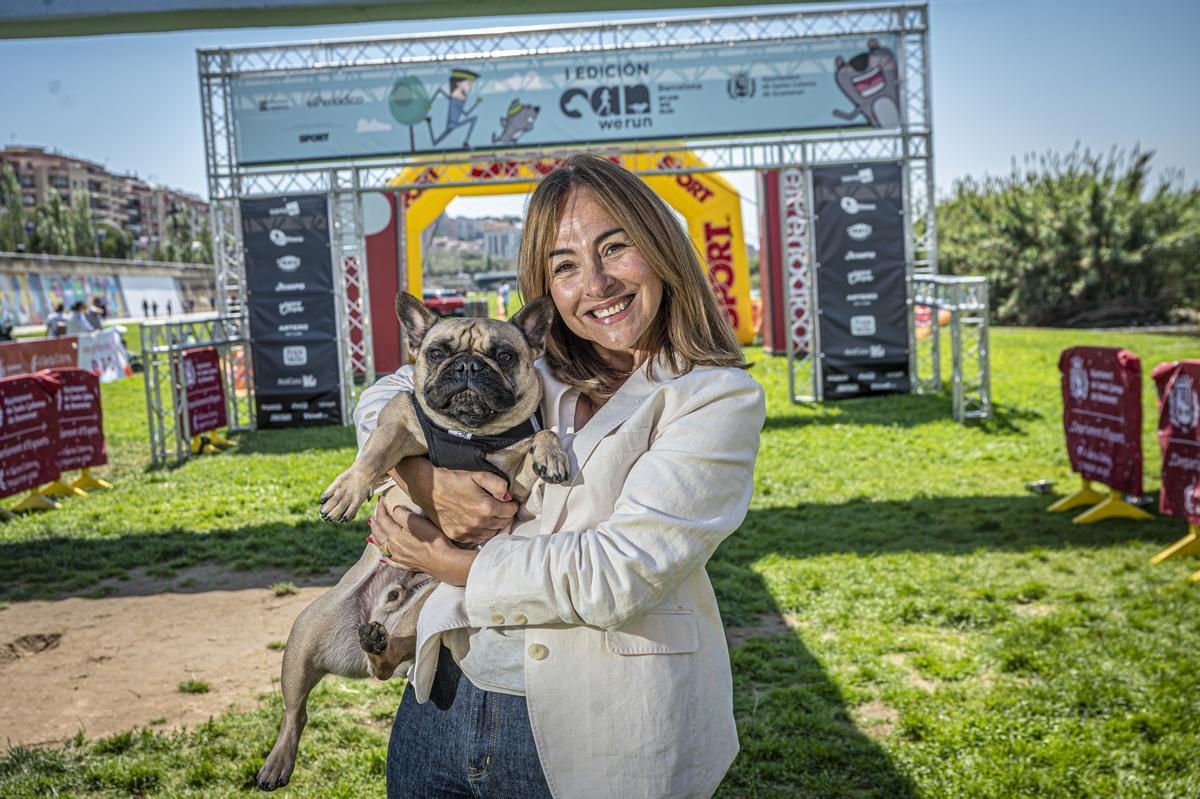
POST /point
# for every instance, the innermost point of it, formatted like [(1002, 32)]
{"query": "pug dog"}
[(475, 397)]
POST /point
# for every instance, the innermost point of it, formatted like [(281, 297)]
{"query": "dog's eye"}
[(393, 595), (436, 355), (504, 357)]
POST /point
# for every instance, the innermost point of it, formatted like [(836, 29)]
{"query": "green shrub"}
[(1077, 240)]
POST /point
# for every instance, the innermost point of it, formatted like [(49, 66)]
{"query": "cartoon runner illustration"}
[(457, 114)]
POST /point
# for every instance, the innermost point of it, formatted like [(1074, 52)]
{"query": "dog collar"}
[(458, 449)]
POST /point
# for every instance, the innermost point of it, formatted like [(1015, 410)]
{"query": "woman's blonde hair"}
[(689, 330)]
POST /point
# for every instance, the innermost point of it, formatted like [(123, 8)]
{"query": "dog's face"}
[(476, 374), (399, 603), (393, 616)]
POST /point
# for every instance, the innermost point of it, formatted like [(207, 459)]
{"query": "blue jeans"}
[(463, 742)]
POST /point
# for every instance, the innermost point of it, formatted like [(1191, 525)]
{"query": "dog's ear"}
[(533, 320), (415, 318)]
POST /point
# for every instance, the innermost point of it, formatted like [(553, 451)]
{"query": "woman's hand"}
[(410, 541), (469, 507)]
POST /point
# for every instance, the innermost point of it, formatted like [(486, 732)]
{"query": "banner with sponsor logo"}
[(204, 390), (862, 292), (28, 432), (1178, 387), (1102, 415), (26, 356), (80, 420), (836, 82), (293, 311), (103, 352)]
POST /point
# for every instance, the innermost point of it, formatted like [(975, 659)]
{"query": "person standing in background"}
[(145, 308), (95, 314), (77, 322), (502, 293), (56, 323)]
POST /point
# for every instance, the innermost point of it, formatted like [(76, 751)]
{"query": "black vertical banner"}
[(861, 289), (293, 311)]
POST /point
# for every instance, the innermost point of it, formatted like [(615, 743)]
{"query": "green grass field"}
[(916, 624)]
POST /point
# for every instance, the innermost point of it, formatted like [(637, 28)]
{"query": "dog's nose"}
[(469, 364)]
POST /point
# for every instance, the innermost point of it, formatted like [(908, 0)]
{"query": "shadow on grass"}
[(797, 734), (900, 410), (794, 725), (145, 563)]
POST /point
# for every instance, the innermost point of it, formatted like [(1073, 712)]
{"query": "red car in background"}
[(445, 302)]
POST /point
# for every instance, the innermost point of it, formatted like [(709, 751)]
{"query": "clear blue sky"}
[(1009, 77)]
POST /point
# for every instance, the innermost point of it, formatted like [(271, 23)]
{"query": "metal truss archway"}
[(345, 181)]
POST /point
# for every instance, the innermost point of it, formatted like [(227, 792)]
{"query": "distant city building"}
[(501, 240), (126, 201)]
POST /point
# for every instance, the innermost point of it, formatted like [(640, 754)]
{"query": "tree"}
[(12, 214), (83, 233), (52, 233), (1077, 240)]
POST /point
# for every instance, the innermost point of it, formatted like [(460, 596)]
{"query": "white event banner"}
[(563, 99)]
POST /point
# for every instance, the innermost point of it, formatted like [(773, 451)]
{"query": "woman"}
[(583, 655)]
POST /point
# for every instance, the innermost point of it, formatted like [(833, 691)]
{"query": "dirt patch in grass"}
[(875, 719), (768, 625), (107, 664), (1033, 610), (912, 676)]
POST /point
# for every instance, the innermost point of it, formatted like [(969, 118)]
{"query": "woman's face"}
[(603, 288)]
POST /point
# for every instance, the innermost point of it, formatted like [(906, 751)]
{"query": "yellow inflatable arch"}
[(708, 202)]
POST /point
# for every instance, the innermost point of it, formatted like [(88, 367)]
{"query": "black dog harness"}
[(455, 449)]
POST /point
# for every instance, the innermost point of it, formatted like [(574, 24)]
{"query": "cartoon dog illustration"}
[(872, 82), (517, 121)]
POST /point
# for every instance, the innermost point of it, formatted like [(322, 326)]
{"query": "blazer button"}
[(519, 618), (538, 652), (497, 618)]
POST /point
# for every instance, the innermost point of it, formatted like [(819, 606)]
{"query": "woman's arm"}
[(682, 497)]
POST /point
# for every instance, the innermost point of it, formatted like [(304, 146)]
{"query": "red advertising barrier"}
[(1178, 387), (28, 432), (205, 390), (1102, 415), (27, 357), (80, 420)]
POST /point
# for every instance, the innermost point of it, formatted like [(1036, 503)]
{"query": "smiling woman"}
[(583, 655), (623, 274)]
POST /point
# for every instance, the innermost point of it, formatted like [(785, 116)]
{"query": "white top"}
[(78, 323)]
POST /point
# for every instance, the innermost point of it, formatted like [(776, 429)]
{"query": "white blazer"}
[(627, 673)]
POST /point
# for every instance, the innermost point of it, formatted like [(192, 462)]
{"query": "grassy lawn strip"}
[(910, 622)]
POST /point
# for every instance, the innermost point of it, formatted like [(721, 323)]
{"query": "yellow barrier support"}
[(1115, 507), (201, 446), (36, 501), (60, 489), (220, 440), (85, 480), (1188, 545), (1086, 495), (1195, 578)]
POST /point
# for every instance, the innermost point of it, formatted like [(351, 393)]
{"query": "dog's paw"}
[(373, 638), (550, 462), (344, 496), (275, 773)]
